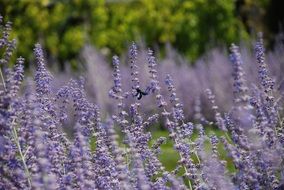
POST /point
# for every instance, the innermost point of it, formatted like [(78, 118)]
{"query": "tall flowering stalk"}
[(181, 147), (134, 68), (240, 88), (265, 80), (42, 76)]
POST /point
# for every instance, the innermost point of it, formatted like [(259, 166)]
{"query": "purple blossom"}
[(117, 78), (134, 67), (42, 76), (240, 88), (266, 82)]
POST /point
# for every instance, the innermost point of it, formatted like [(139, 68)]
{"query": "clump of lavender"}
[(119, 152)]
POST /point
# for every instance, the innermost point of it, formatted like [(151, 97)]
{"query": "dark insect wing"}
[(148, 90), (144, 93), (140, 93), (137, 92), (139, 96)]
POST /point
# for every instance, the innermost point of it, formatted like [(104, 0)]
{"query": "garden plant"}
[(58, 138)]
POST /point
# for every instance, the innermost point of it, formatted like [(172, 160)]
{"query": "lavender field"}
[(222, 119)]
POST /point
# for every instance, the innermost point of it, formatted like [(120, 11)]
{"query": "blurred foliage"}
[(64, 26), (262, 15)]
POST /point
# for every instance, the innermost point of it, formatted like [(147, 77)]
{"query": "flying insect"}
[(140, 93)]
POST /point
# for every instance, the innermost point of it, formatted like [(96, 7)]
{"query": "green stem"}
[(190, 186), (2, 77), (16, 138), (126, 156), (199, 162), (189, 182), (228, 138)]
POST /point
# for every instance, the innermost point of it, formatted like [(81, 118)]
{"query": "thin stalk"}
[(190, 186), (27, 151), (16, 138), (195, 152), (185, 169), (189, 182), (198, 159), (126, 156), (2, 77), (228, 138)]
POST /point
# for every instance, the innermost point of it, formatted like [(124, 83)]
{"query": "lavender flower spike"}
[(266, 82), (134, 68), (42, 77), (240, 88)]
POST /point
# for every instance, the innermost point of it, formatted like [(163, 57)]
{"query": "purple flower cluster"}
[(41, 149)]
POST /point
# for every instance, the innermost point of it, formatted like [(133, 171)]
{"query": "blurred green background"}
[(191, 26)]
